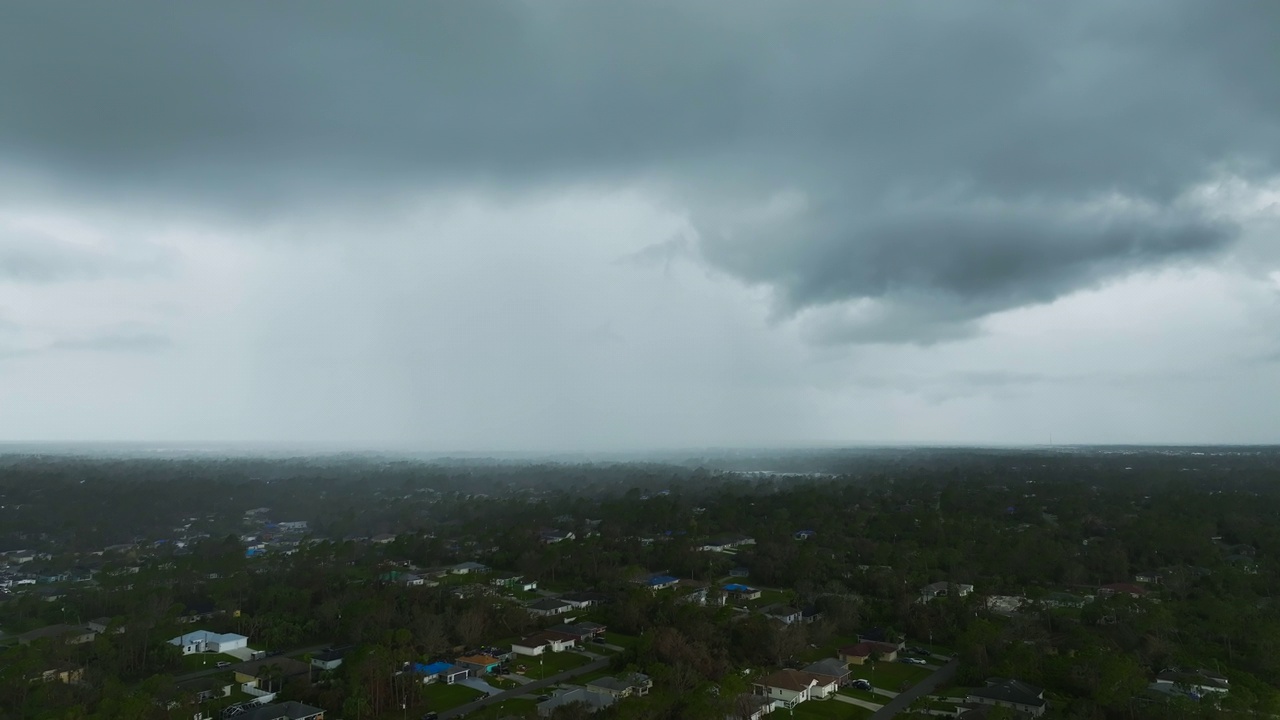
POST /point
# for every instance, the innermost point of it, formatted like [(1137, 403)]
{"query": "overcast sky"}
[(630, 225)]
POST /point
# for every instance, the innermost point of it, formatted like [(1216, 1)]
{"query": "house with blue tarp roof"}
[(440, 671)]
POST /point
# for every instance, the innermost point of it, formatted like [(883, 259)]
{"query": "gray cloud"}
[(142, 342), (942, 151), (30, 257)]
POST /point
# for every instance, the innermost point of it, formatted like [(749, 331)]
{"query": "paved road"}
[(900, 703), (233, 666), (531, 688)]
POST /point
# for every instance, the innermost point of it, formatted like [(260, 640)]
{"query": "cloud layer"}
[(277, 195)]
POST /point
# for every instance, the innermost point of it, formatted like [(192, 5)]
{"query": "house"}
[(1063, 600), (784, 613), (738, 591), (583, 600), (1129, 589), (740, 572), (751, 707), (383, 538), (1149, 578), (1013, 694), (542, 642), (330, 659), (659, 582), (203, 641), (209, 688), (469, 567), (1194, 683), (513, 581), (555, 536), (863, 651), (69, 676), (804, 534), (479, 664), (1005, 604), (698, 593), (273, 669), (810, 614), (593, 701), (832, 668), (290, 710), (67, 634), (943, 589), (100, 625), (443, 672), (580, 632), (411, 580), (788, 687), (628, 685), (547, 607), (292, 526)]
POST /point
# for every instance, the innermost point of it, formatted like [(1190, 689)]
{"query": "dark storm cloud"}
[(943, 152)]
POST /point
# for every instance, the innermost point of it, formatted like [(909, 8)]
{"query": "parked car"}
[(600, 640), (433, 715), (223, 664), (860, 684), (912, 661)]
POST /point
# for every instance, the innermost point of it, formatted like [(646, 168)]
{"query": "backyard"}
[(548, 664), (439, 696)]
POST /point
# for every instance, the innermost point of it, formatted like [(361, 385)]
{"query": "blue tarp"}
[(434, 668), (737, 587), (662, 580)]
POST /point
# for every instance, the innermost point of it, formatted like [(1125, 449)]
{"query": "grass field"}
[(206, 661), (892, 676), (439, 696), (864, 695), (519, 707), (619, 639), (551, 664)]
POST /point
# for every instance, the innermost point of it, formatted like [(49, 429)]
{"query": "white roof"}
[(206, 636)]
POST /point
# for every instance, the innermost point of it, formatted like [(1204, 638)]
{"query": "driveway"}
[(857, 701), (529, 689), (478, 684), (898, 704)]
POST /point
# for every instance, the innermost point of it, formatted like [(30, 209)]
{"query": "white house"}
[(942, 589), (203, 641), (542, 642), (788, 687), (546, 607)]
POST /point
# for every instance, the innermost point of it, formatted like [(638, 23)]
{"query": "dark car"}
[(433, 715), (860, 684)]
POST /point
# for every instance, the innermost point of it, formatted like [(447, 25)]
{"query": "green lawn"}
[(619, 639), (548, 664), (439, 696), (892, 676), (519, 707), (828, 710), (864, 695), (205, 661), (952, 691)]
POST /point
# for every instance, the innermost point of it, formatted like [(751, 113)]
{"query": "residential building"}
[(751, 707), (627, 685), (783, 613), (290, 710), (479, 664), (593, 701), (328, 660), (469, 567), (583, 600), (542, 642), (1013, 694), (67, 634), (832, 668), (788, 687), (738, 591), (441, 672), (547, 607), (203, 641), (860, 653), (1195, 683), (943, 589)]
